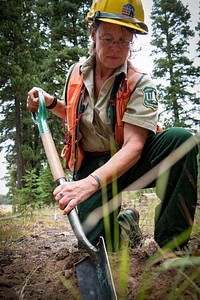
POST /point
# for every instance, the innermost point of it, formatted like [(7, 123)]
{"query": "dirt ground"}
[(39, 263)]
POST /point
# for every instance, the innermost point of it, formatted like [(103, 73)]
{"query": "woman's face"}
[(112, 44)]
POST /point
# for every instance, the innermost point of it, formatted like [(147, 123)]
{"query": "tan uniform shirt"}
[(95, 121)]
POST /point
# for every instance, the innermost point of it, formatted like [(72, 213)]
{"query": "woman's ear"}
[(93, 36)]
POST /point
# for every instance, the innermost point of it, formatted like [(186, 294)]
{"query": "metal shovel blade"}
[(94, 276)]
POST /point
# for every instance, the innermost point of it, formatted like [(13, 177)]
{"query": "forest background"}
[(41, 39)]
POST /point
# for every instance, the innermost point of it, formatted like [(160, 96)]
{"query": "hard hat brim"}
[(137, 27), (140, 27)]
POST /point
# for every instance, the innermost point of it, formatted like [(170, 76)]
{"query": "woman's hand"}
[(32, 99), (70, 194)]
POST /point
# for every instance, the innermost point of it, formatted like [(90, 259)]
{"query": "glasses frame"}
[(111, 42)]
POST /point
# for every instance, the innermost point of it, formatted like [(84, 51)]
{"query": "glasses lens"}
[(111, 42)]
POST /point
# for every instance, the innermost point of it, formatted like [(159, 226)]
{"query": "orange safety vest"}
[(72, 152)]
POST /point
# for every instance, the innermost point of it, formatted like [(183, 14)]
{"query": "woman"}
[(113, 154)]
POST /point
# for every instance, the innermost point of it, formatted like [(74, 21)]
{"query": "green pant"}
[(178, 195)]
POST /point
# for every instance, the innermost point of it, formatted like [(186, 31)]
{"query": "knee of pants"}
[(177, 133), (176, 136)]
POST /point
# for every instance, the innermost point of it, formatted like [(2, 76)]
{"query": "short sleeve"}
[(142, 107)]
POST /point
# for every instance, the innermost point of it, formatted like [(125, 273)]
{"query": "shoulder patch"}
[(150, 97)]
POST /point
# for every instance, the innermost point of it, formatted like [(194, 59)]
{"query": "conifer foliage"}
[(39, 40), (171, 35)]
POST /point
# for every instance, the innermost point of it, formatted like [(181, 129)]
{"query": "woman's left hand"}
[(70, 194)]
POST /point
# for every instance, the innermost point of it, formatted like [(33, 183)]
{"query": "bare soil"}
[(37, 260)]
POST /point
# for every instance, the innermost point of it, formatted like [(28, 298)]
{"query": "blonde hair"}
[(92, 30)]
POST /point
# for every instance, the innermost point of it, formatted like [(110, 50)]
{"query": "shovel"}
[(94, 274)]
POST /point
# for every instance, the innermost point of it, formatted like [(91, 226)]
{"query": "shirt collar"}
[(90, 62)]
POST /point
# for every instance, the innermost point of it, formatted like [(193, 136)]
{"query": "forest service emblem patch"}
[(150, 97)]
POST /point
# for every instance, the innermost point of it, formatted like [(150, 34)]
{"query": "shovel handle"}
[(40, 119)]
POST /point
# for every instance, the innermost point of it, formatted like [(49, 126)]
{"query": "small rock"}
[(68, 273), (35, 236)]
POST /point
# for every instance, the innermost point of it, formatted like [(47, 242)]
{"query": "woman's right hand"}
[(32, 99)]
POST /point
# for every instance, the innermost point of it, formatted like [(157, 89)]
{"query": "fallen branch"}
[(10, 217)]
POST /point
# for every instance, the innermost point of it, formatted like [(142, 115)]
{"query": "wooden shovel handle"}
[(52, 156), (57, 171)]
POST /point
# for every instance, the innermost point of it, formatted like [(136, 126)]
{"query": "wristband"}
[(53, 104), (96, 177)]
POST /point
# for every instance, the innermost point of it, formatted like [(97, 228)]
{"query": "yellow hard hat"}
[(128, 13)]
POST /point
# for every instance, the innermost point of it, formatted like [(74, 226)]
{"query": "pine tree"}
[(197, 118), (68, 38), (171, 33), (16, 29), (39, 41)]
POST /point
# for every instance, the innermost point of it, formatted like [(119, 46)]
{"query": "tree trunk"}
[(19, 155)]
